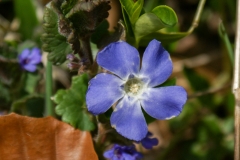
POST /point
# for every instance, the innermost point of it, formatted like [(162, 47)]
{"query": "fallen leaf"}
[(27, 138)]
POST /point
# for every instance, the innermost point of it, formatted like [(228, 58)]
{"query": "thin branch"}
[(197, 16), (236, 87)]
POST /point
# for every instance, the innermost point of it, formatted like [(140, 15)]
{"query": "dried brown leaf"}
[(27, 138)]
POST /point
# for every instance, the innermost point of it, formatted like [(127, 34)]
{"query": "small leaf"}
[(71, 104), (31, 106), (127, 23), (127, 6), (53, 42), (31, 82), (28, 19), (160, 17), (133, 9), (43, 138), (164, 37), (166, 15), (136, 11)]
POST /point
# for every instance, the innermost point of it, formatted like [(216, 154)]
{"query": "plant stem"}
[(224, 36), (197, 16), (236, 87), (48, 102)]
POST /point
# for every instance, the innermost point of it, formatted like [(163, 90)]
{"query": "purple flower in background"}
[(118, 152), (29, 59), (149, 142), (133, 88)]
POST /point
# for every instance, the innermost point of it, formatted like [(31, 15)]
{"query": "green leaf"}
[(127, 5), (166, 15), (223, 34), (31, 82), (131, 12), (164, 37), (53, 42), (199, 83), (160, 17), (127, 23), (133, 9), (31, 106), (136, 11), (26, 12), (71, 104)]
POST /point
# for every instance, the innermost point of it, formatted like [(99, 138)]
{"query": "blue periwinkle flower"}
[(133, 88), (118, 152), (148, 142), (29, 59)]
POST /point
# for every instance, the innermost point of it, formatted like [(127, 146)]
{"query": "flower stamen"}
[(133, 86)]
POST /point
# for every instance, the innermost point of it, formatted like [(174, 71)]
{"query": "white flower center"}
[(133, 86)]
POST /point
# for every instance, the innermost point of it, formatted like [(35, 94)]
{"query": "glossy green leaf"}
[(166, 15), (53, 42), (127, 23), (160, 17), (71, 104), (136, 11), (133, 9), (127, 6), (164, 37), (26, 12)]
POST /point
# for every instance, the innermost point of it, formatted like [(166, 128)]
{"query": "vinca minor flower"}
[(133, 88), (118, 152), (148, 142), (29, 59)]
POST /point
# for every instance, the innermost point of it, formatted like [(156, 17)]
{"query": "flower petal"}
[(148, 143), (30, 67), (119, 58), (156, 64), (25, 53), (109, 153), (128, 119), (164, 102), (104, 90), (35, 56), (127, 156)]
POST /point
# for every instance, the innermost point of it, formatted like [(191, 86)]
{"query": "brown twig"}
[(236, 87)]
